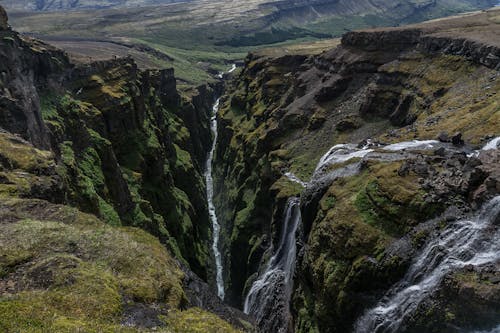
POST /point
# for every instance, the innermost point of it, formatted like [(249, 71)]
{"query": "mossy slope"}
[(286, 109)]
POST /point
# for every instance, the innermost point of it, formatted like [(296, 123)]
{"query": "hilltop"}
[(200, 38)]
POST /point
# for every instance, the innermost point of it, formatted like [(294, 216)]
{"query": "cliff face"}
[(90, 155), (124, 138), (359, 233)]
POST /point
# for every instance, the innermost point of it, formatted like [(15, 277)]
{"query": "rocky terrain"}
[(356, 180), (371, 214), (51, 5), (202, 37), (104, 225)]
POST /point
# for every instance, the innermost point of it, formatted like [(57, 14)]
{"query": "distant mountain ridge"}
[(53, 5), (317, 7)]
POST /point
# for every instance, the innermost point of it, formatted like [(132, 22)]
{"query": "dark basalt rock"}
[(4, 24), (200, 294)]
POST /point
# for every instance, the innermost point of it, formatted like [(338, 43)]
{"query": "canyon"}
[(347, 185)]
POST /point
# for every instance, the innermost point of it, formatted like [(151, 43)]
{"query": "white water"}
[(261, 292), (493, 144), (295, 179), (211, 208), (344, 152), (341, 153), (219, 279), (415, 144), (471, 241), (280, 267), (233, 68)]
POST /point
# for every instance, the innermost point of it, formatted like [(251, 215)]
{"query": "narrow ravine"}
[(219, 279)]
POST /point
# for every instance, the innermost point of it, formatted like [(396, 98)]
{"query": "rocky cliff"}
[(359, 233), (103, 210)]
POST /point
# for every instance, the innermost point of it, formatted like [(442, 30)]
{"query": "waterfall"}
[(472, 241), (269, 296), (219, 279), (493, 144), (453, 249), (211, 208), (276, 280)]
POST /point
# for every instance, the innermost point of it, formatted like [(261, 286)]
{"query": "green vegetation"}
[(197, 321), (203, 38), (72, 272), (80, 273)]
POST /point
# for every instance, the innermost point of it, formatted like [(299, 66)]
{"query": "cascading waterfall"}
[(277, 279), (279, 271), (219, 279), (277, 276), (211, 208), (467, 242), (472, 241)]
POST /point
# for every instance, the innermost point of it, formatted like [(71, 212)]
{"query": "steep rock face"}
[(131, 147), (89, 156), (64, 270), (23, 67), (4, 21), (360, 233)]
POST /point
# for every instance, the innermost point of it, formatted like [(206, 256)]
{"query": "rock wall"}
[(130, 146), (358, 236)]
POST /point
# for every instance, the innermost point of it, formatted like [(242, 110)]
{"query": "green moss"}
[(197, 321), (285, 188), (392, 202), (17, 154), (81, 271)]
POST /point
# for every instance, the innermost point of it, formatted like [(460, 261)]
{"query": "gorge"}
[(345, 185), (398, 136)]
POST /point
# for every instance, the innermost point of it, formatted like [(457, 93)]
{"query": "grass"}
[(71, 272), (205, 37)]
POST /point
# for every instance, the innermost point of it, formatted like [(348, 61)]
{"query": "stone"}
[(457, 140), (4, 20), (440, 151), (443, 137)]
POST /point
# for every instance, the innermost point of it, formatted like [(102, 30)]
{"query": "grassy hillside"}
[(203, 37)]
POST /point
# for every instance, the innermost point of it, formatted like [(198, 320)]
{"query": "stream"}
[(219, 278), (269, 296)]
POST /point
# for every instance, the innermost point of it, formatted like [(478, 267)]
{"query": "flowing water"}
[(472, 241), (467, 242), (211, 208), (280, 267), (219, 279), (262, 301), (493, 144)]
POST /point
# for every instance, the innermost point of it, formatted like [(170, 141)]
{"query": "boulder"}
[(4, 24)]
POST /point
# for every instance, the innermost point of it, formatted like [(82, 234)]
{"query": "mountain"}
[(200, 38), (62, 5), (355, 183)]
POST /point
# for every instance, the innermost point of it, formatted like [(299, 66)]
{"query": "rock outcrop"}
[(90, 154), (359, 232), (4, 20)]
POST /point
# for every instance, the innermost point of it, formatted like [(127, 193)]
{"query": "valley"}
[(258, 166), (200, 38)]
